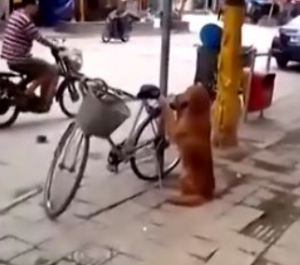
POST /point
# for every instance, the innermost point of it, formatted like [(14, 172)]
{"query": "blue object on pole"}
[(53, 11), (211, 36)]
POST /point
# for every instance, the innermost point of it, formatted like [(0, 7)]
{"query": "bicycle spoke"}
[(67, 150), (73, 167)]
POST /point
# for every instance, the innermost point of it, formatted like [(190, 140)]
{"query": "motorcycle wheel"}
[(125, 38), (106, 36), (12, 113)]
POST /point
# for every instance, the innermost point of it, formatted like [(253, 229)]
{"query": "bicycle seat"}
[(148, 92), (9, 74)]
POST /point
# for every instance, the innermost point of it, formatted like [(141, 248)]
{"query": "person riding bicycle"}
[(19, 35)]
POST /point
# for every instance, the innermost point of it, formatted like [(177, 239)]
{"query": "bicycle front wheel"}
[(144, 162), (66, 171)]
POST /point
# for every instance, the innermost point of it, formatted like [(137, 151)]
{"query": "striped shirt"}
[(19, 34)]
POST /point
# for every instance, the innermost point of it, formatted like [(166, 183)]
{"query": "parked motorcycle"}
[(112, 31), (13, 85)]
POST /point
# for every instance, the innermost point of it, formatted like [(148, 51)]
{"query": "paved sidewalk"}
[(254, 219), (119, 220)]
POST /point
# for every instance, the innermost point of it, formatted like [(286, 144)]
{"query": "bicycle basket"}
[(100, 114)]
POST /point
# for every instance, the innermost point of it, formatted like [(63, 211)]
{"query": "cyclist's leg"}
[(24, 69), (43, 74)]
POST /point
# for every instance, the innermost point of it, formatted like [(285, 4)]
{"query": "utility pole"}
[(165, 46), (164, 71), (227, 107)]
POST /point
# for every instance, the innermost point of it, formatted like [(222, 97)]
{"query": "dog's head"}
[(194, 100)]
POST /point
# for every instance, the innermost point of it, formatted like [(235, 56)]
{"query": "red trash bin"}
[(261, 91)]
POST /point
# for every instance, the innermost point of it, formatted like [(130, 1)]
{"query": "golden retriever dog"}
[(188, 125)]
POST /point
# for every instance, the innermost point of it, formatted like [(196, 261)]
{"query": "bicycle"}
[(124, 152)]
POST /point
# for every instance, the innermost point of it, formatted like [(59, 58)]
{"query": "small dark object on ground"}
[(41, 139)]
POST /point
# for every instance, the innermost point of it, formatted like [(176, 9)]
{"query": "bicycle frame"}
[(126, 149)]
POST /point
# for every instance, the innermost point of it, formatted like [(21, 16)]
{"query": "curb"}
[(96, 28)]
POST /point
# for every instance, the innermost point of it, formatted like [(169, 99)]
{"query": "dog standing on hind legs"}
[(188, 125)]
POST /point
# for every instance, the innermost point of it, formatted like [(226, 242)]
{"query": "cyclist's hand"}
[(57, 49)]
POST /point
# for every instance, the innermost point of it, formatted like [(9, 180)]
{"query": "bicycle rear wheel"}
[(147, 143), (70, 155)]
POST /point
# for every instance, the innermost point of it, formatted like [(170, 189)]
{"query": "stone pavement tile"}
[(194, 246), (248, 169), (291, 180), (124, 260), (171, 256), (62, 246), (296, 191), (155, 217), (245, 189), (82, 210), (289, 240), (85, 233), (239, 193), (282, 256), (151, 198), (297, 203), (226, 238), (239, 217), (233, 198), (208, 211), (12, 226), (38, 232), (102, 196), (273, 158), (28, 211), (265, 194), (141, 249), (275, 187), (252, 201), (11, 247), (120, 214), (90, 254), (33, 257), (232, 256), (185, 221), (241, 168), (72, 239), (123, 237)]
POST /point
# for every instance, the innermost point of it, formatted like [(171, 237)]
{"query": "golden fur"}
[(190, 130)]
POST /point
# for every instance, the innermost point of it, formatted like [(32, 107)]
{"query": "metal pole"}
[(164, 74), (165, 46), (249, 83)]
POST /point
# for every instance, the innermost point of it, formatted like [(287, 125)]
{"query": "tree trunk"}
[(227, 107)]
